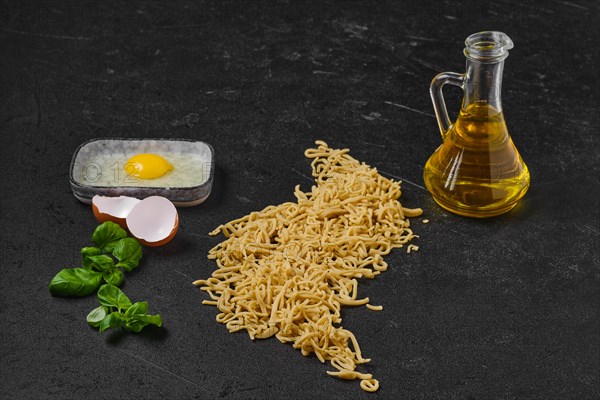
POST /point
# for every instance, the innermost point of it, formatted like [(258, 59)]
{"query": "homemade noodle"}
[(287, 270)]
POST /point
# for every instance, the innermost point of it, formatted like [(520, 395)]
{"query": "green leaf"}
[(137, 322), (114, 277), (113, 320), (86, 252), (106, 234), (112, 296), (75, 282), (135, 326), (129, 253), (102, 263), (141, 307), (95, 317), (137, 317), (150, 319)]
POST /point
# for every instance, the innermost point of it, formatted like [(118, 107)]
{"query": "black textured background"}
[(505, 308)]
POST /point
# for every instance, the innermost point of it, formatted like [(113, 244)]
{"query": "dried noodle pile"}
[(287, 270)]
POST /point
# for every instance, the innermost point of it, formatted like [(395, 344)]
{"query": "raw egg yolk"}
[(147, 166)]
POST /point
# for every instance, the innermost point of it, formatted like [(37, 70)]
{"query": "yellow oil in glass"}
[(477, 171)]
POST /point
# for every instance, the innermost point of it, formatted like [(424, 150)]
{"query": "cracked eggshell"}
[(113, 209), (153, 221)]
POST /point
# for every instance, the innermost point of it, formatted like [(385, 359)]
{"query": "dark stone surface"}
[(505, 308)]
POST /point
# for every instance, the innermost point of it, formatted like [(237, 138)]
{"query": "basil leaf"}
[(114, 277), (137, 322), (113, 320), (134, 326), (95, 317), (86, 252), (141, 307), (149, 319), (102, 263), (112, 296), (129, 253), (75, 282), (106, 234), (137, 318)]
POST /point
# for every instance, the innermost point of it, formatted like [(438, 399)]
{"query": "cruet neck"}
[(485, 52), (488, 47)]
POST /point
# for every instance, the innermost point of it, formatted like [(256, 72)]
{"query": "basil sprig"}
[(98, 264), (117, 311)]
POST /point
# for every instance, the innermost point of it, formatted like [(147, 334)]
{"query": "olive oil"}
[(477, 171)]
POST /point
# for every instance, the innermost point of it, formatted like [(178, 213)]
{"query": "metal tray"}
[(84, 187)]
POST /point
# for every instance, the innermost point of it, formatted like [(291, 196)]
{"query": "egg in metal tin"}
[(165, 169), (178, 169)]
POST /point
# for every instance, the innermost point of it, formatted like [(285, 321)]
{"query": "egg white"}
[(107, 170)]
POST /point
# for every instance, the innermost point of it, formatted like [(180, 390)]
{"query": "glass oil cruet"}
[(477, 171)]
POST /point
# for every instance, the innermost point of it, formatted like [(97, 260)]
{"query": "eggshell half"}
[(153, 221), (113, 209)]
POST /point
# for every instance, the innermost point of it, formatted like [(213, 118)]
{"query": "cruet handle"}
[(437, 97)]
